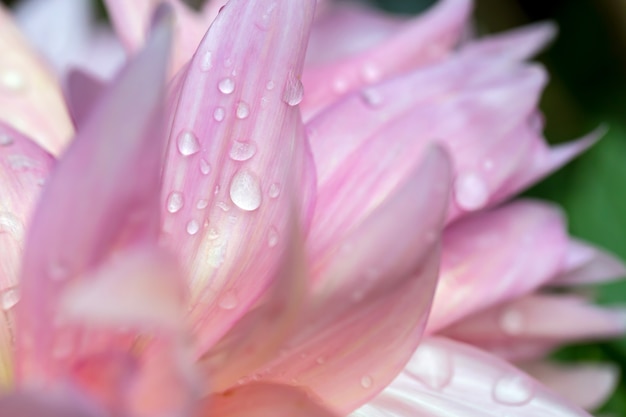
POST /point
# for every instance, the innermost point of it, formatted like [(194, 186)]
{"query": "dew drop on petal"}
[(188, 143), (193, 227), (219, 114), (272, 237), (202, 204), (226, 86), (513, 390), (228, 301), (205, 167), (294, 91), (371, 97), (267, 18), (9, 297), (432, 367), (371, 73), (5, 139), (207, 61), (274, 190), (243, 110), (270, 85), (340, 86), (512, 321), (242, 151), (213, 234), (471, 191), (223, 206), (366, 381), (245, 191), (175, 202)]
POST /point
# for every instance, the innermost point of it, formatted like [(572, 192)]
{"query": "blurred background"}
[(587, 64)]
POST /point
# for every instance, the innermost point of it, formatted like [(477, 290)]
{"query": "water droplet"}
[(228, 62), (219, 114), (272, 237), (267, 18), (223, 206), (213, 234), (513, 390), (367, 381), (188, 143), (270, 85), (242, 151), (432, 367), (340, 86), (264, 102), (512, 321), (12, 80), (243, 110), (9, 297), (228, 301), (371, 73), (217, 190), (193, 227), (205, 167), (202, 204), (207, 61), (226, 86), (294, 91), (175, 202), (274, 190), (471, 191), (371, 97), (5, 139), (245, 191)]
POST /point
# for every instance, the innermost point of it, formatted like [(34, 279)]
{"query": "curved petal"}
[(103, 196), (496, 256), (237, 150), (263, 400), (586, 385), (370, 307), (83, 92), (446, 379), (31, 102), (586, 264), (422, 41)]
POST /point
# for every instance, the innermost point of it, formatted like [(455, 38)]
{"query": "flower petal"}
[(263, 400), (586, 264), (237, 152), (103, 196), (446, 378), (586, 385), (31, 101), (28, 404), (370, 307), (422, 41), (495, 256), (83, 92)]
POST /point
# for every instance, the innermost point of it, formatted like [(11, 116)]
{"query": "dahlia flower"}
[(243, 229)]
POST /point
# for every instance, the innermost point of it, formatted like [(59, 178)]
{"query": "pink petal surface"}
[(549, 319), (422, 41), (586, 264), (31, 101), (83, 91), (586, 385), (238, 158), (263, 400), (370, 304), (102, 197), (496, 256), (29, 404), (446, 378)]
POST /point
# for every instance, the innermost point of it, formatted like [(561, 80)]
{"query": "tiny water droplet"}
[(202, 204), (242, 151), (243, 110), (213, 234), (9, 297), (188, 143), (270, 85), (245, 191), (223, 206), (432, 367), (513, 390), (274, 190), (175, 202), (371, 73), (219, 114), (267, 18), (228, 301), (217, 190), (367, 381), (207, 61), (193, 227), (205, 167), (471, 191), (512, 321), (272, 237), (294, 91), (228, 62), (226, 86), (5, 139), (264, 102), (13, 80), (371, 97)]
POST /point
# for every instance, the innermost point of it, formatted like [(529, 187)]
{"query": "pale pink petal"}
[(586, 264), (31, 100), (371, 302), (549, 319), (83, 92), (446, 378), (586, 385), (424, 40), (103, 196), (238, 158), (44, 404), (258, 336), (263, 400), (496, 256)]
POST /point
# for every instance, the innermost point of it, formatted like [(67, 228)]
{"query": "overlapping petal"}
[(586, 264)]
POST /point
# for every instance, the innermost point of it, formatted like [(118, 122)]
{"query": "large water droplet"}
[(243, 110), (512, 321), (219, 114), (175, 202), (432, 367), (274, 190), (226, 86), (207, 61), (188, 143), (9, 297), (228, 301), (205, 167), (242, 151), (471, 191), (245, 191), (193, 227), (5, 139), (12, 80), (513, 390), (294, 91), (366, 381)]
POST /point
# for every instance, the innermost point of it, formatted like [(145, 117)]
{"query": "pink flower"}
[(200, 250)]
